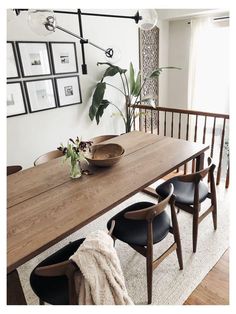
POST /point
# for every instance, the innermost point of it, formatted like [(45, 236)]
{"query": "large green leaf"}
[(112, 70), (97, 98), (131, 78), (137, 85), (104, 103), (158, 71)]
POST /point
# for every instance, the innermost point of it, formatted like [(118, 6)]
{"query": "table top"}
[(45, 205)]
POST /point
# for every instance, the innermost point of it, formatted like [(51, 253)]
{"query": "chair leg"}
[(195, 229), (214, 217), (179, 250), (114, 239), (41, 302), (149, 276)]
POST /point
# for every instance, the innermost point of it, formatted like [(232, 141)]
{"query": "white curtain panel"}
[(208, 83)]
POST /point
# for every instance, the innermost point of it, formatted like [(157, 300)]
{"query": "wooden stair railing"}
[(191, 125)]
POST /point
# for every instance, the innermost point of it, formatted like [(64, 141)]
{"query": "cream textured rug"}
[(170, 285)]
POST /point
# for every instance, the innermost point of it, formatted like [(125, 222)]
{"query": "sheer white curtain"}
[(208, 84)]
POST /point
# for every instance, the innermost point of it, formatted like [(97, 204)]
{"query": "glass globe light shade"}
[(112, 54), (149, 19), (11, 15), (37, 20)]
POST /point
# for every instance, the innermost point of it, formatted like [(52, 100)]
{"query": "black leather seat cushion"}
[(54, 290), (135, 231), (184, 191)]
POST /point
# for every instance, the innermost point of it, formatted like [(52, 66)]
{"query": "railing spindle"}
[(179, 133), (135, 118), (158, 122), (221, 153), (172, 123), (195, 139), (140, 119), (145, 120), (204, 131), (213, 137), (152, 121), (165, 125), (187, 135)]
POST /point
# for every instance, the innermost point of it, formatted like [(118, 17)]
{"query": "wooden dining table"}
[(44, 205)]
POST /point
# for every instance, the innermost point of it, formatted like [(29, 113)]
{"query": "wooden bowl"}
[(105, 155)]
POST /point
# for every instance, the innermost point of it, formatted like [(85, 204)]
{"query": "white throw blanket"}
[(102, 281)]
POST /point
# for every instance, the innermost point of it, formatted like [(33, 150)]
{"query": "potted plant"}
[(131, 90), (75, 152)]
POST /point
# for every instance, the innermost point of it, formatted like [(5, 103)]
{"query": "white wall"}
[(31, 135), (179, 43), (163, 61)]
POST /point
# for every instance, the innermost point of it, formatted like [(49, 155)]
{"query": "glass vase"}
[(75, 170)]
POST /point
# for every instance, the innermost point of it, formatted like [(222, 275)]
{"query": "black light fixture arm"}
[(51, 26), (84, 41), (135, 17)]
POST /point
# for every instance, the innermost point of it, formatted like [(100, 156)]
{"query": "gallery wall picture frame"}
[(12, 65), (34, 58), (40, 95), (68, 90), (64, 57), (16, 104)]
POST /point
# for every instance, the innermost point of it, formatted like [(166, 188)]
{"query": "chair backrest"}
[(196, 177), (13, 169), (48, 156), (101, 138), (199, 175), (151, 212), (67, 268)]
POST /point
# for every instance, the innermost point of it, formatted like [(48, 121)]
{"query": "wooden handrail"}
[(184, 111)]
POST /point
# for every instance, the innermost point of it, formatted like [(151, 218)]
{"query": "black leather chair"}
[(190, 192), (53, 284), (52, 280), (144, 224)]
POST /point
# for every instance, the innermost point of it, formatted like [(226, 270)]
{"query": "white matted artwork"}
[(64, 57), (40, 95), (68, 91), (15, 100), (34, 58), (12, 70)]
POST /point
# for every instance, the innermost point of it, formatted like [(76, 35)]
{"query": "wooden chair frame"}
[(48, 156), (195, 208), (149, 214), (101, 138), (67, 268), (13, 169)]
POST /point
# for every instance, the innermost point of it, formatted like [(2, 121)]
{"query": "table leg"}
[(15, 294), (200, 162)]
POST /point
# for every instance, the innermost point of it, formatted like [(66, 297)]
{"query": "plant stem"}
[(127, 84), (123, 83), (116, 88), (121, 113)]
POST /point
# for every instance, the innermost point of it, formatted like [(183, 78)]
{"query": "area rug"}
[(171, 286)]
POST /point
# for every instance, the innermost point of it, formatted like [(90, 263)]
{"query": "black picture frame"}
[(54, 58), (59, 93), (23, 98), (15, 59), (34, 62), (40, 94)]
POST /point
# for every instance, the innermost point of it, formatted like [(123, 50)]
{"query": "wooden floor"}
[(214, 289)]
